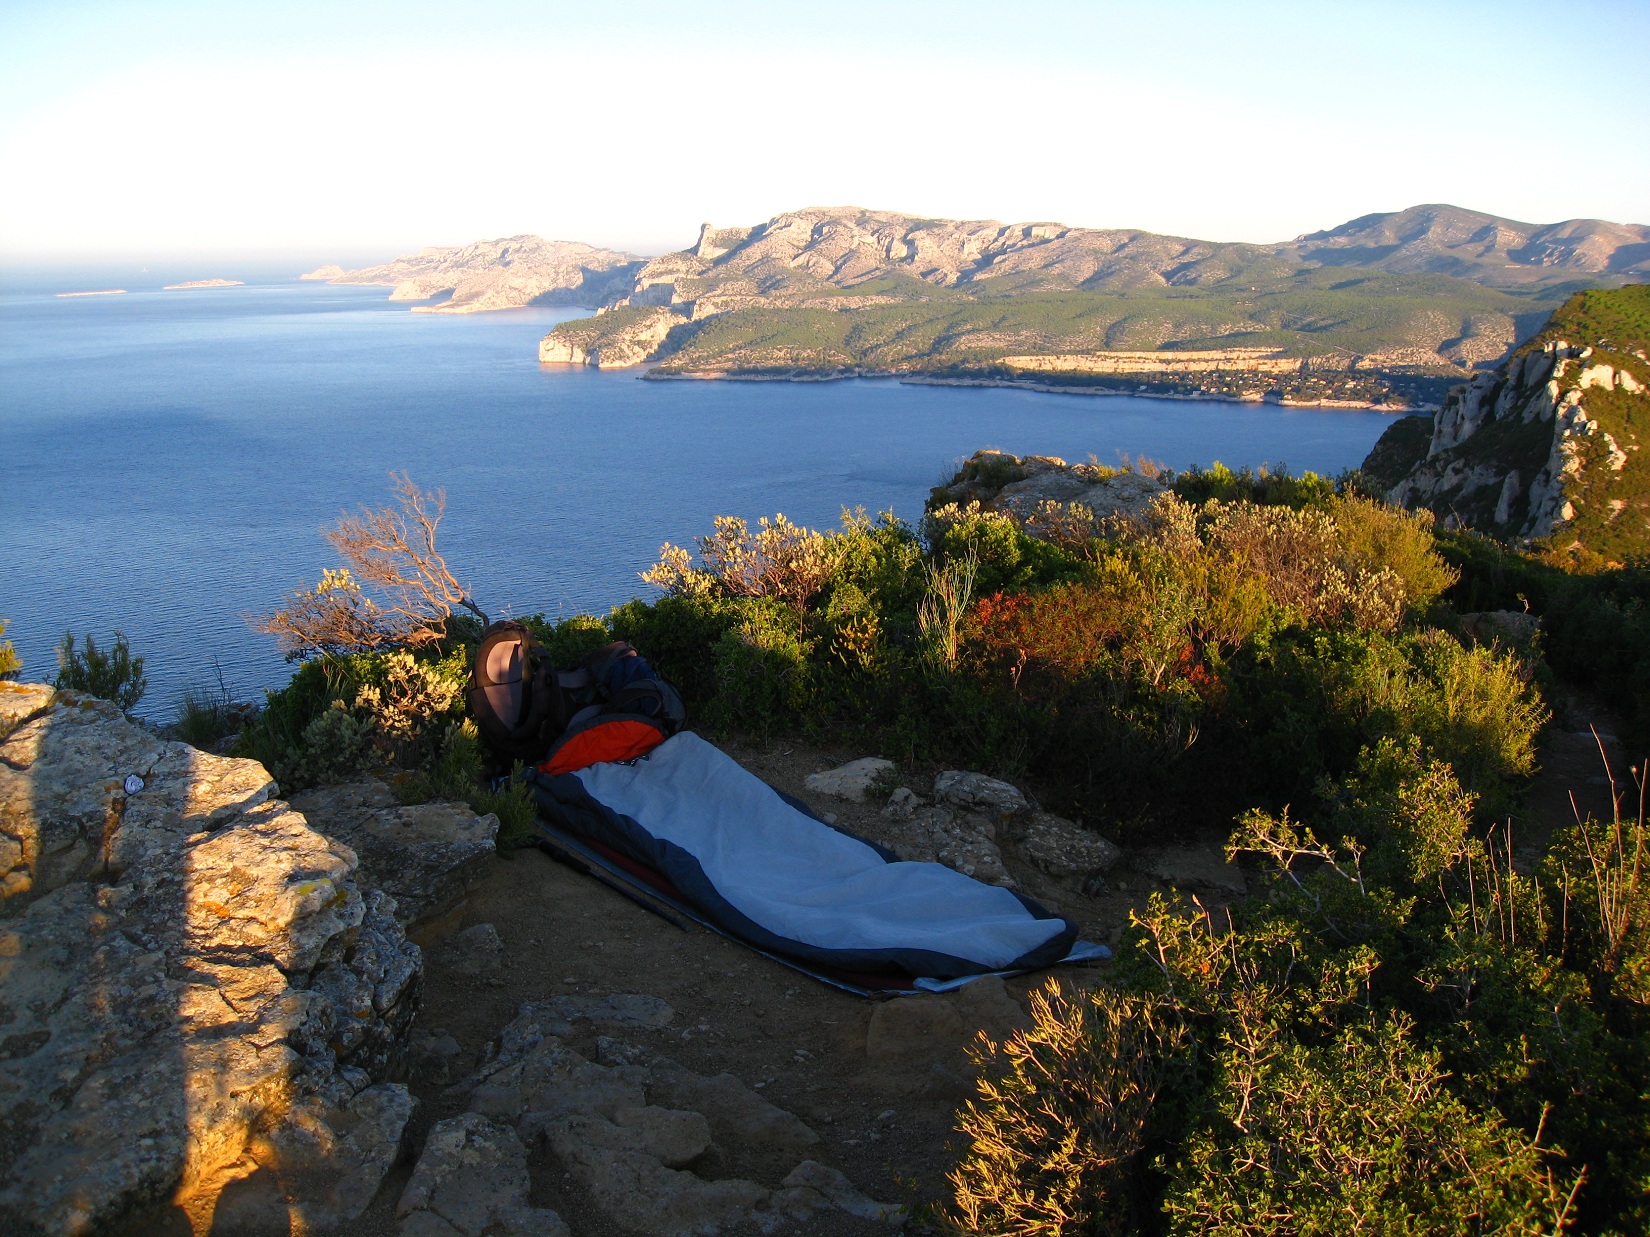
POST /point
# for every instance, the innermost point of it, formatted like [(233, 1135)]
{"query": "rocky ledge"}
[(1037, 489), (200, 1004)]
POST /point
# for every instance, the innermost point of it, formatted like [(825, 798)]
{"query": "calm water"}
[(167, 459)]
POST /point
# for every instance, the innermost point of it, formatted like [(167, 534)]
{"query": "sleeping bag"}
[(761, 867)]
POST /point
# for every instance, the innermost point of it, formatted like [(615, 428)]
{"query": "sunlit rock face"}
[(192, 985)]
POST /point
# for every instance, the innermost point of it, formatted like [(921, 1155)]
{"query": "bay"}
[(167, 459)]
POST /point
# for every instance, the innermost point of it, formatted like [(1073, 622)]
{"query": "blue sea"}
[(168, 459)]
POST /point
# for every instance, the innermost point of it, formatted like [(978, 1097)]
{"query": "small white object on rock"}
[(851, 781), (979, 793)]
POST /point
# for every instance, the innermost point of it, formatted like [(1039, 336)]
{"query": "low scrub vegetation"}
[(1402, 1031), (112, 673)]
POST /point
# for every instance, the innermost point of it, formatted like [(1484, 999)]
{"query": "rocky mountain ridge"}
[(840, 290), (1546, 448), (498, 274)]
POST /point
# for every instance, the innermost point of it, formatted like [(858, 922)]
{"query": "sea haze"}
[(167, 459)]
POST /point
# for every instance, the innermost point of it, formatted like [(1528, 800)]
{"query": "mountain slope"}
[(499, 274), (1446, 240), (1547, 447)]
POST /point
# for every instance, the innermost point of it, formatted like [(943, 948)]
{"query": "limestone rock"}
[(1125, 494), (425, 856), (674, 1138), (965, 841), (637, 1192), (323, 1164), (630, 1126), (852, 781), (833, 1185), (903, 803), (1060, 848), (979, 792), (186, 966), (1525, 484), (472, 1180)]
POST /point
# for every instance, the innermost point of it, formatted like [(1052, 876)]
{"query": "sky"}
[(352, 130)]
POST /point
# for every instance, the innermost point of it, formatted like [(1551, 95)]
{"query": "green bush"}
[(113, 674), (10, 663)]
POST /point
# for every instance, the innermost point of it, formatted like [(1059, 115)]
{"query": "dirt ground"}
[(888, 1123)]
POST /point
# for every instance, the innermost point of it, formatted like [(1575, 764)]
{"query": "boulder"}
[(1061, 849), (852, 781), (978, 792), (472, 1180), (631, 1126), (833, 1186), (965, 841), (190, 972), (426, 856)]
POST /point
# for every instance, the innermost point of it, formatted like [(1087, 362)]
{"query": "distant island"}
[(204, 283), (1385, 311), (98, 292)]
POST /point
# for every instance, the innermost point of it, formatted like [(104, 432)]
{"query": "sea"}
[(168, 459)]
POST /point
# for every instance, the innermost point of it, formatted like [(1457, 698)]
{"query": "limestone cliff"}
[(499, 274), (613, 340), (1546, 447)]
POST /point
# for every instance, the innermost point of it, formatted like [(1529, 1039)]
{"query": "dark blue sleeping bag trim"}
[(564, 800)]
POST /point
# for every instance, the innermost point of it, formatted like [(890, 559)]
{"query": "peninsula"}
[(98, 292), (1383, 311), (204, 283)]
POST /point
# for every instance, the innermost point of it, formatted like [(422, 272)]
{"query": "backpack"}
[(612, 706)]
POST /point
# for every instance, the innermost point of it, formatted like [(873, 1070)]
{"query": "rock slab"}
[(426, 856), (187, 968)]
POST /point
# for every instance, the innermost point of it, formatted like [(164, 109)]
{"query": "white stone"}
[(852, 781)]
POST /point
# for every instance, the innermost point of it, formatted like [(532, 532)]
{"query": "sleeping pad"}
[(761, 867)]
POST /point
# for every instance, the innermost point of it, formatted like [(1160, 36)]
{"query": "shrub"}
[(10, 663), (203, 715), (1357, 1135), (111, 675), (1065, 1117)]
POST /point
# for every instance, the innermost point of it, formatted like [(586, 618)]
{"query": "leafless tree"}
[(396, 590)]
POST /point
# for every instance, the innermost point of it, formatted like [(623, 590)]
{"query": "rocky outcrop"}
[(1542, 448), (499, 274), (195, 993), (1034, 489), (657, 1147), (426, 856), (616, 340), (974, 817)]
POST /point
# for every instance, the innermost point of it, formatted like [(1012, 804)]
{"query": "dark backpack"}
[(610, 707)]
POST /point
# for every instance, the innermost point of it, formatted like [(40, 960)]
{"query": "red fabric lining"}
[(616, 740)]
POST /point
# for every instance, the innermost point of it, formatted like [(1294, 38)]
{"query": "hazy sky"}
[(353, 127)]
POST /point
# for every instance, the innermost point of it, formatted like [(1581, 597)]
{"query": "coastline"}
[(1046, 388)]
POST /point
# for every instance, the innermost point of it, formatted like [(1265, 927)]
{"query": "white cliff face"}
[(610, 341), (1515, 451)]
